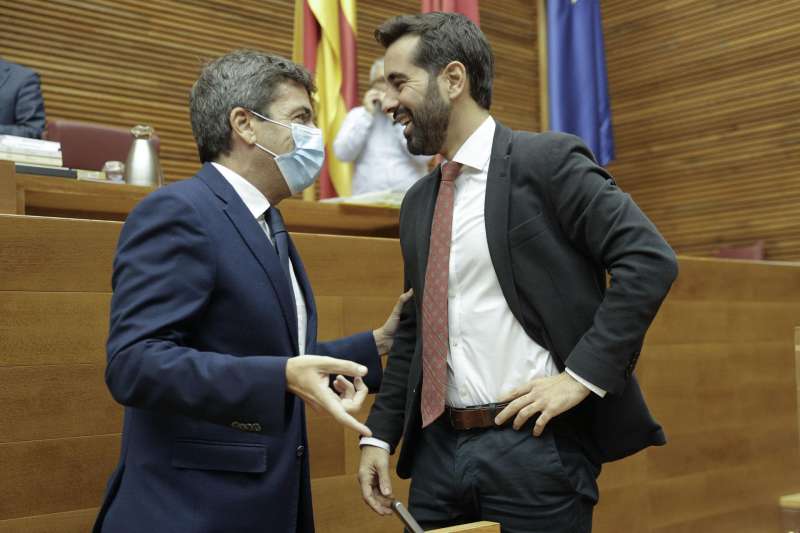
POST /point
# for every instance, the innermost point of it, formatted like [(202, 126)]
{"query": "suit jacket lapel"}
[(496, 208), (423, 219), (257, 242)]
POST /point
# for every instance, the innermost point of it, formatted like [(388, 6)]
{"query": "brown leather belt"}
[(477, 417)]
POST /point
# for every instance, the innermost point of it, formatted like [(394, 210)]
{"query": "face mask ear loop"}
[(262, 117), (270, 152)]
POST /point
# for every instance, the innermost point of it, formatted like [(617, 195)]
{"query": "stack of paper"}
[(30, 151)]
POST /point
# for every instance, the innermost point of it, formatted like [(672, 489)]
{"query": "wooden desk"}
[(717, 369), (25, 194)]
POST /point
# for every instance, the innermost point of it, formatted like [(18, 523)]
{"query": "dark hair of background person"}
[(242, 78), (446, 37)]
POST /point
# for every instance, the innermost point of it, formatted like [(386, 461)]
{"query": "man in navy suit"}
[(212, 319), (21, 103)]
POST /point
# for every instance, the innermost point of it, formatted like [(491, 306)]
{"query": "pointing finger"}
[(331, 365)]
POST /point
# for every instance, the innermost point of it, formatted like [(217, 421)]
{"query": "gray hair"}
[(242, 78), (377, 65)]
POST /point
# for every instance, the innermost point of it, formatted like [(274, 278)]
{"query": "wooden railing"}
[(26, 194)]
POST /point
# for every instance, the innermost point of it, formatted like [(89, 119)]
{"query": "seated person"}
[(377, 145), (21, 103)]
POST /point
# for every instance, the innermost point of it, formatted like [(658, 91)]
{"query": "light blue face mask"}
[(301, 166)]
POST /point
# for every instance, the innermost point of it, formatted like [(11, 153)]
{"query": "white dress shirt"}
[(258, 204), (490, 353), (379, 150)]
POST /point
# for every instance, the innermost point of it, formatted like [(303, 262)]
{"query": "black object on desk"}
[(59, 172)]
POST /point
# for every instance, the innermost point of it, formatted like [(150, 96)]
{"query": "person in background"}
[(21, 102), (376, 144)]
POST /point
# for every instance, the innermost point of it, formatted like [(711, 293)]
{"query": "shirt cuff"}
[(594, 388), (372, 441)]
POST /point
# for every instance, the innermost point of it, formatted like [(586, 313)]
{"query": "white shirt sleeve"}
[(378, 443), (594, 388), (352, 134)]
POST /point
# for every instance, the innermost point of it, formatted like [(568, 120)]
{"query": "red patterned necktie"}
[(435, 337)]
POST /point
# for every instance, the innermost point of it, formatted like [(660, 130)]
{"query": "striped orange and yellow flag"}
[(325, 42)]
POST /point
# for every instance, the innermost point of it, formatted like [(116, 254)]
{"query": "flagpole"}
[(544, 100)]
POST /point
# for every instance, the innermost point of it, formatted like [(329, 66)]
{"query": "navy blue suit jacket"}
[(202, 324), (21, 103)]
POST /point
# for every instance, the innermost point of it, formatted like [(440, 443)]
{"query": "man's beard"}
[(430, 122)]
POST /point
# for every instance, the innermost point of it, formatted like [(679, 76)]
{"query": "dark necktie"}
[(280, 239), (435, 335)]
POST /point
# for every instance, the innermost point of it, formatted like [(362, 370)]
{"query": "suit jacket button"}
[(301, 450)]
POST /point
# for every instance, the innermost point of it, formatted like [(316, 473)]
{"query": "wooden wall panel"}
[(716, 371), (79, 521), (704, 99), (123, 62), (57, 412), (81, 317), (41, 255), (55, 402), (704, 93), (55, 475)]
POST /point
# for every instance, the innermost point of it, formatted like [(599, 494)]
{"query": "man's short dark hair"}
[(446, 37), (244, 78)]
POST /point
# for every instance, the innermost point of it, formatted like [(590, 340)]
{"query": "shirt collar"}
[(477, 149), (253, 199)]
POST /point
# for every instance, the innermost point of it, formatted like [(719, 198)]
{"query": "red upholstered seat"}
[(750, 251), (88, 145)]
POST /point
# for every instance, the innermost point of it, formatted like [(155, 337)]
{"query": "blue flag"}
[(576, 72)]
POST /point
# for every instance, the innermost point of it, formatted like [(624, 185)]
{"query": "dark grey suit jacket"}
[(21, 103), (556, 223)]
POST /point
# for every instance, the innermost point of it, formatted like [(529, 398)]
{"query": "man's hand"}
[(384, 335), (373, 100), (352, 394), (549, 396), (373, 476), (308, 376)]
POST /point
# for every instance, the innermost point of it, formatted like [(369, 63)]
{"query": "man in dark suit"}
[(212, 315), (21, 103), (511, 378)]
